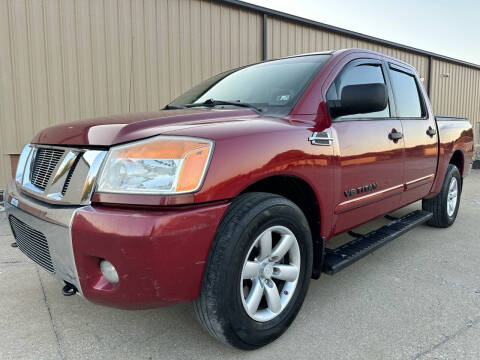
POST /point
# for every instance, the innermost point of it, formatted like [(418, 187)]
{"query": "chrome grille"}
[(43, 165), (32, 243), (70, 174), (59, 175)]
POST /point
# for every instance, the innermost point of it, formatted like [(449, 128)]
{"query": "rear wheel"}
[(258, 271), (445, 205)]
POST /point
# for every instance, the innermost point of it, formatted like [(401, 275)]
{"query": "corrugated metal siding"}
[(285, 38), (63, 60), (455, 91)]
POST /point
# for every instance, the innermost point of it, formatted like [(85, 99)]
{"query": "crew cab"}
[(228, 196)]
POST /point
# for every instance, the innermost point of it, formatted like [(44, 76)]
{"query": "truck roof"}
[(350, 50)]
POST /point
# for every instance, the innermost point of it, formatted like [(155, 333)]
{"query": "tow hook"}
[(14, 245), (69, 289)]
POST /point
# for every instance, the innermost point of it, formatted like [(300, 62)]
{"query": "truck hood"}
[(111, 130)]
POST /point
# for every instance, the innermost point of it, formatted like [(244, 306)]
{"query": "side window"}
[(407, 97), (356, 75)]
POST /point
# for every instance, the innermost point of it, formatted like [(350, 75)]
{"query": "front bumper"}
[(54, 223), (159, 254)]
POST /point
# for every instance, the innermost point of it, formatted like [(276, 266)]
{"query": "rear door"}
[(419, 130), (369, 171)]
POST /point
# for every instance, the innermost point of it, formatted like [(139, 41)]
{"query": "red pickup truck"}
[(228, 196)]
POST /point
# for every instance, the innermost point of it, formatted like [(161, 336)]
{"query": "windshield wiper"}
[(212, 102), (173, 107)]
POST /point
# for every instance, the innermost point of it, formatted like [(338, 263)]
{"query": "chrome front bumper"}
[(54, 222)]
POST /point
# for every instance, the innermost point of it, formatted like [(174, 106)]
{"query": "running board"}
[(345, 255)]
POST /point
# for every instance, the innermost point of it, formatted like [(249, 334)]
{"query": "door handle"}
[(321, 138), (431, 131), (395, 135)]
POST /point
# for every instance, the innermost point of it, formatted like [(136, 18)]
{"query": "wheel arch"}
[(458, 160), (303, 195)]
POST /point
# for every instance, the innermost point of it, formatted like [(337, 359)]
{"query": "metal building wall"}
[(455, 90), (285, 37), (63, 60)]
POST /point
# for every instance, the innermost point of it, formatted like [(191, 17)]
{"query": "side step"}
[(345, 255)]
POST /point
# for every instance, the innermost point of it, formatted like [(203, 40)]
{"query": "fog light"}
[(109, 271)]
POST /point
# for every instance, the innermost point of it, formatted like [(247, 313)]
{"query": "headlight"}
[(160, 165)]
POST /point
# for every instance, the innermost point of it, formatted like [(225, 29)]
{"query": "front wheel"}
[(445, 205), (258, 271)]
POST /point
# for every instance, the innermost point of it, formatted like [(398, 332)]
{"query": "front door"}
[(369, 150)]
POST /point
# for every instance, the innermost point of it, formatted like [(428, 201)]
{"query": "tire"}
[(443, 215), (221, 307)]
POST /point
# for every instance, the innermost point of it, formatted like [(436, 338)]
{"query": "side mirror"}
[(360, 99)]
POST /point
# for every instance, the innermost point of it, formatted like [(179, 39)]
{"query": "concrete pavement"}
[(416, 298)]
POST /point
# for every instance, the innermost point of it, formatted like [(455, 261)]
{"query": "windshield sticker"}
[(283, 97)]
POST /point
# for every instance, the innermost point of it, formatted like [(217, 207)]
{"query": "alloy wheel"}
[(452, 196), (270, 273)]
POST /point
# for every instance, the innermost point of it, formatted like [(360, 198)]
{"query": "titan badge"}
[(360, 189)]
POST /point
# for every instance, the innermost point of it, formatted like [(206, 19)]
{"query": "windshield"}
[(272, 87)]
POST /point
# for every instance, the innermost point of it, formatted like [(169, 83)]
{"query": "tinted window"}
[(273, 86), (356, 75), (407, 100)]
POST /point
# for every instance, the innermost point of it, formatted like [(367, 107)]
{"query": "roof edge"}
[(338, 30)]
